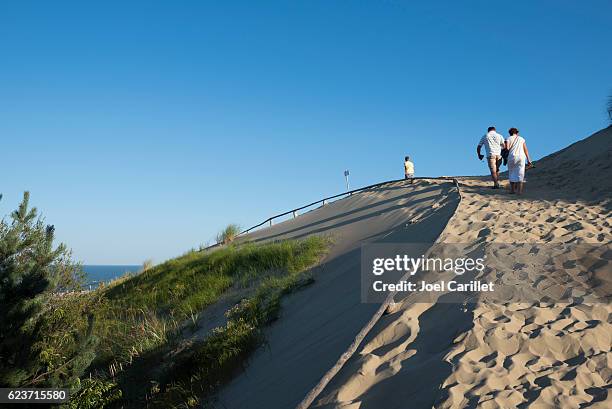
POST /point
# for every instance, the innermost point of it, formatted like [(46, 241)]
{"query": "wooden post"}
[(270, 222), (294, 215)]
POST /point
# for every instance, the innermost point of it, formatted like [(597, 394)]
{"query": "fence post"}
[(294, 216), (270, 222)]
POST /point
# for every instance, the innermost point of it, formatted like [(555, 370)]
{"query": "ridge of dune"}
[(320, 321), (492, 355)]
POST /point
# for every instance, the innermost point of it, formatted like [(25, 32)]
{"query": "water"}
[(94, 274)]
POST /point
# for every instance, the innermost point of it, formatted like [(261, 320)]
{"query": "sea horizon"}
[(97, 273)]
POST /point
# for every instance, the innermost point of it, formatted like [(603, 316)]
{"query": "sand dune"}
[(320, 321), (549, 345), (505, 355)]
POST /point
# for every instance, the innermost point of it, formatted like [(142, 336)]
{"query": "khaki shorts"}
[(494, 161)]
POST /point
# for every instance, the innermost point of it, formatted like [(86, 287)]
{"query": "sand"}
[(504, 355), (486, 353), (319, 322)]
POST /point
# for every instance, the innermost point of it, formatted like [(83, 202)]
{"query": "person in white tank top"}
[(518, 156)]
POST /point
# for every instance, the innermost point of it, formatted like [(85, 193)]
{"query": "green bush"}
[(45, 340), (94, 393)]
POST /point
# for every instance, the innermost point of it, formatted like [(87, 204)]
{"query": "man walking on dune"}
[(408, 169), (493, 143)]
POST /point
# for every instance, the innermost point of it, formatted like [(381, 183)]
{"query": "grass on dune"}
[(142, 315), (228, 234), (199, 370), (191, 282)]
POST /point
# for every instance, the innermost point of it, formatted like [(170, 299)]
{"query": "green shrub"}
[(65, 345), (94, 393), (45, 340), (212, 361)]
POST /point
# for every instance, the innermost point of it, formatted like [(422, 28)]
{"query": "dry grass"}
[(228, 234)]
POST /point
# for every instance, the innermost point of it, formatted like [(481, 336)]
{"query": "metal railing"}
[(325, 200)]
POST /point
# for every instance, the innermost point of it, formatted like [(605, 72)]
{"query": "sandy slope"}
[(320, 321), (508, 355)]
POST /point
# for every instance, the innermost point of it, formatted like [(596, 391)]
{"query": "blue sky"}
[(143, 128)]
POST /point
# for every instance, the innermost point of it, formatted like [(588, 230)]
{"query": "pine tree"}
[(31, 273)]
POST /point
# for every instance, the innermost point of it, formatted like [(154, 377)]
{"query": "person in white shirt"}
[(493, 143), (408, 169), (518, 155)]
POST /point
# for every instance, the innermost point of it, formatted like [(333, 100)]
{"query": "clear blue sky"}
[(143, 128)]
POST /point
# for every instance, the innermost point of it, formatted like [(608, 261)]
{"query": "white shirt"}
[(408, 168), (516, 152), (492, 142)]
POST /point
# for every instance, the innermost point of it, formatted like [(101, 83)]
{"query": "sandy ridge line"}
[(333, 371)]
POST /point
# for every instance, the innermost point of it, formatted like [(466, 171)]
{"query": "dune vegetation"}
[(141, 340), (142, 319), (228, 234)]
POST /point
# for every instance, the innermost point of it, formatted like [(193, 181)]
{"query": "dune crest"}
[(319, 322), (491, 355)]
